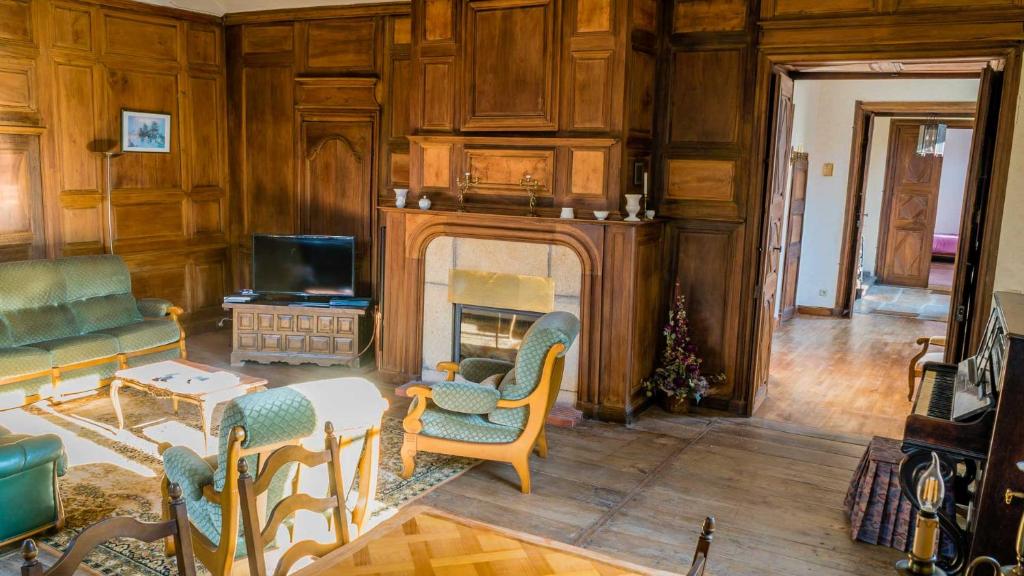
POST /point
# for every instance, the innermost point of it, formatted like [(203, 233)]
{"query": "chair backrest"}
[(700, 556), (258, 534), (119, 527)]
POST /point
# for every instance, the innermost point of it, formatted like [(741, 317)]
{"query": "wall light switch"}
[(823, 292), (827, 169)]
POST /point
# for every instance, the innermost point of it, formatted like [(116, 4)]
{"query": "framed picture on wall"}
[(145, 132)]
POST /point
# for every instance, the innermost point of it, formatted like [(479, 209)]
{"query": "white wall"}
[(873, 193), (823, 126), (954, 177), (1010, 262)]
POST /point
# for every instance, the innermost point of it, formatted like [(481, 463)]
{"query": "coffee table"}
[(184, 381)]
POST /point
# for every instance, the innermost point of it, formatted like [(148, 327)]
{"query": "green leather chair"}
[(66, 325), (29, 467), (498, 411), (252, 427)]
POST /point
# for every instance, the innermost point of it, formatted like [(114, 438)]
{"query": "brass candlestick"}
[(464, 184), (931, 491), (531, 186)]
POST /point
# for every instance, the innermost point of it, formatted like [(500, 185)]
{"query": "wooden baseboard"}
[(814, 310)]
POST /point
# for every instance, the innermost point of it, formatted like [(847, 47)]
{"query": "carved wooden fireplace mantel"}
[(621, 300)]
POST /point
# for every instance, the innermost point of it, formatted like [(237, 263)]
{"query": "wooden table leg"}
[(115, 399)]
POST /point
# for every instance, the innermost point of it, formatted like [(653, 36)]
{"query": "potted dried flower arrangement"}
[(678, 381)]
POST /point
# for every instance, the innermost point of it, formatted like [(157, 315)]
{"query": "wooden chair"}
[(917, 363), (258, 535), (700, 557), (506, 423), (120, 527)]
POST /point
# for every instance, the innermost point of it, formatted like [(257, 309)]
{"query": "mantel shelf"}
[(471, 214)]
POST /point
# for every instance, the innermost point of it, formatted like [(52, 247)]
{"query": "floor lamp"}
[(108, 197)]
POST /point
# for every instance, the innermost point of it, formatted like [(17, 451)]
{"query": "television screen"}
[(303, 265)]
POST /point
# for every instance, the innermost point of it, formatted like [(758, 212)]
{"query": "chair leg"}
[(408, 455), (542, 444), (165, 514), (522, 466)]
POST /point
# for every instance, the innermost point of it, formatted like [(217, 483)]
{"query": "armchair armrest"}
[(478, 369), (449, 368), (19, 453), (465, 397), (420, 395), (186, 468)]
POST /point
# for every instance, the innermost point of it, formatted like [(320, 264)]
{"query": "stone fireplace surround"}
[(620, 296)]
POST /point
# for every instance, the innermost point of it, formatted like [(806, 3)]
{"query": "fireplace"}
[(487, 332)]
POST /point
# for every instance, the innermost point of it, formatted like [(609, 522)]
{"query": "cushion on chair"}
[(154, 307), (74, 349), (465, 397), (929, 357), (188, 470), (478, 369), (19, 452), (144, 334), (441, 423), (23, 360), (39, 283), (552, 328), (102, 312)]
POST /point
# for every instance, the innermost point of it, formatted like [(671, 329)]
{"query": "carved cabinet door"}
[(336, 183)]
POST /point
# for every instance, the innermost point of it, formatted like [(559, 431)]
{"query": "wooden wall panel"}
[(72, 27), (267, 39), (588, 175), (593, 16), (16, 21), (342, 45), (19, 102), (438, 23), (75, 93), (707, 94), (500, 171), (701, 180), (641, 92), (150, 91), (137, 37), (207, 113), (21, 216), (204, 45), (269, 197), (436, 163), (709, 16), (437, 102), (591, 90)]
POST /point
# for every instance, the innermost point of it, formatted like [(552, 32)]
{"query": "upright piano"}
[(972, 415)]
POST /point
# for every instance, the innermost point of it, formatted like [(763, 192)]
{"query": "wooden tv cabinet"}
[(267, 331)]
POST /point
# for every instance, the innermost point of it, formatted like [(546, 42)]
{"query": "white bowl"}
[(601, 214)]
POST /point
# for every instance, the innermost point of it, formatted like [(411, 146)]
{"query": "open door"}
[(969, 312), (780, 135), (794, 235), (910, 203)]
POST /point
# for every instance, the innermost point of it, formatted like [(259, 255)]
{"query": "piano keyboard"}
[(935, 398)]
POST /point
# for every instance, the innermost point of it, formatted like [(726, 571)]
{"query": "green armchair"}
[(477, 419), (253, 426), (29, 467)]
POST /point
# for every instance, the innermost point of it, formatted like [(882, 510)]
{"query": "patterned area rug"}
[(118, 473)]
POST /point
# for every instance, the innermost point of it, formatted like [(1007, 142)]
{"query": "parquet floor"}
[(844, 376), (640, 493)]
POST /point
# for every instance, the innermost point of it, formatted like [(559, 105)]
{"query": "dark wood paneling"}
[(707, 93), (269, 171), (21, 195), (709, 16), (340, 46)]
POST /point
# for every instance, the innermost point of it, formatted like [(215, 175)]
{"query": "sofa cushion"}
[(92, 276), (19, 452), (65, 351), (38, 282), (102, 312), (32, 325), (144, 334), (23, 360), (6, 337)]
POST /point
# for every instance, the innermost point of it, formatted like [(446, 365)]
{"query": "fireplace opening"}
[(486, 332)]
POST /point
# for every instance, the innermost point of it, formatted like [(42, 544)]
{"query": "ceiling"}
[(220, 7)]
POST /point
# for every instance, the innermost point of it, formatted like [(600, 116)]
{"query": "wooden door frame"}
[(1008, 51), (864, 114), (784, 265)]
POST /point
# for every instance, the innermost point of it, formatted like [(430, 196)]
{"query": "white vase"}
[(633, 207), (401, 194), (425, 203)]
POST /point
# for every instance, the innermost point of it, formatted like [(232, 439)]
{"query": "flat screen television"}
[(303, 265)]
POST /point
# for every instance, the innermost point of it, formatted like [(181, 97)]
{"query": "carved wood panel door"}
[(794, 234), (336, 183), (779, 152), (21, 198), (909, 205)]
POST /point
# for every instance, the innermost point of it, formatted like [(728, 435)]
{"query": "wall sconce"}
[(931, 491)]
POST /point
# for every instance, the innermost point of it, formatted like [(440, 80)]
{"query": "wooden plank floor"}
[(640, 493), (846, 376)]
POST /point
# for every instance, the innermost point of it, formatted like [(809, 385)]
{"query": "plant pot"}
[(674, 404)]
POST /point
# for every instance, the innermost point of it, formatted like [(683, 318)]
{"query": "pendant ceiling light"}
[(931, 139)]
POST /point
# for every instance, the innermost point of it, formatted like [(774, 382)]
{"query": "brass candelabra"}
[(464, 185), (531, 186)]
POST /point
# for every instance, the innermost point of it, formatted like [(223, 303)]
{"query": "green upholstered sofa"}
[(66, 325), (29, 467)]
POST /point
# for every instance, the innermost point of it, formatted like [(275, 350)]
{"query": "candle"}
[(645, 183)]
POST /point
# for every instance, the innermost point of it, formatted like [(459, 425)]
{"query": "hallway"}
[(844, 376)]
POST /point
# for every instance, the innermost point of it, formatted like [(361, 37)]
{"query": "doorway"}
[(844, 333)]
